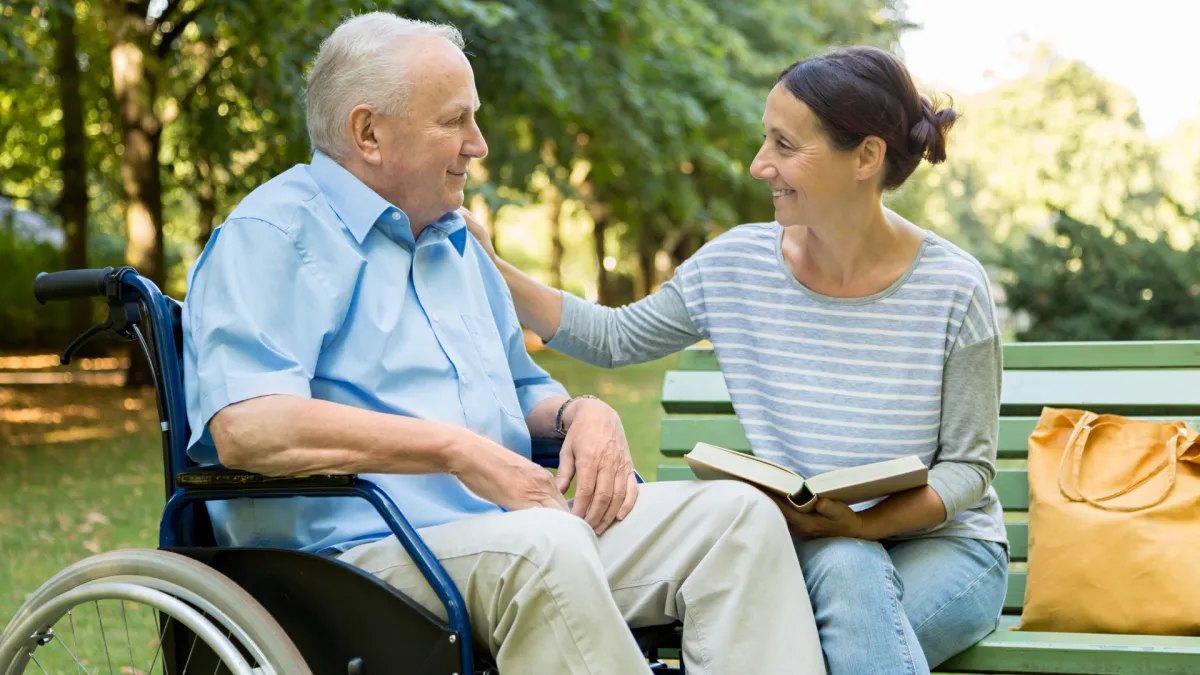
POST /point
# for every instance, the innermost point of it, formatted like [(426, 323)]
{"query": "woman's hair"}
[(857, 92)]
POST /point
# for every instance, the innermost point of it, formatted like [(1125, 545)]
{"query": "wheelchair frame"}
[(136, 302)]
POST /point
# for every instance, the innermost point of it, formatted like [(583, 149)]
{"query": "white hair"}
[(358, 64)]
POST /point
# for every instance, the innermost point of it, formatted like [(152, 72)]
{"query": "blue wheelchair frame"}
[(166, 335), (275, 575)]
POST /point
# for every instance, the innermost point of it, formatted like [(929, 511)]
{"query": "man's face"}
[(424, 153)]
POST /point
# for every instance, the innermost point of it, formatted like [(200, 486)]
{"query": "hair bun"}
[(928, 135)]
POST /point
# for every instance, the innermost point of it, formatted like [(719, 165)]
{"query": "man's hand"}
[(829, 518), (503, 477), (479, 231), (596, 454)]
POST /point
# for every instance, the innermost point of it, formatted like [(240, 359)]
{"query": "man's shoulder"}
[(281, 201)]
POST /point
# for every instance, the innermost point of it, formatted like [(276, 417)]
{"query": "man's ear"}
[(364, 134), (869, 158)]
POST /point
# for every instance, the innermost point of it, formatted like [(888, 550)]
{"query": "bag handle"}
[(1077, 444)]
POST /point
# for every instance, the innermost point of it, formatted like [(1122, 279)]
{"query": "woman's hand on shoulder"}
[(479, 231)]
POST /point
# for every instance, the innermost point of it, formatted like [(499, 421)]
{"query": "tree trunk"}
[(554, 209), (602, 290), (73, 202), (646, 249), (135, 84), (135, 80), (205, 197)]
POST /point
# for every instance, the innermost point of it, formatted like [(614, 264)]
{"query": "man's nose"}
[(475, 146)]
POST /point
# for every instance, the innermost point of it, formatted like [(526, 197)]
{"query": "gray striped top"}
[(820, 383)]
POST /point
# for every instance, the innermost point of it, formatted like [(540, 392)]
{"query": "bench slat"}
[(1014, 596), (698, 358), (680, 434), (1018, 541), (1050, 355), (1109, 355), (1025, 392), (1131, 392), (695, 392), (1012, 486), (1011, 651)]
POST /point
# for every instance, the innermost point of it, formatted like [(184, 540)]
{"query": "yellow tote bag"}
[(1114, 526)]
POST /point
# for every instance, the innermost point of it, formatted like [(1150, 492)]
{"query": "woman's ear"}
[(869, 159), (364, 134)]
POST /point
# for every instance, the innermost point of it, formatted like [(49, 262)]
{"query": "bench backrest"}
[(1137, 379)]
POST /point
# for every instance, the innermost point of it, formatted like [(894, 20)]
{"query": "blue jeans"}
[(902, 607)]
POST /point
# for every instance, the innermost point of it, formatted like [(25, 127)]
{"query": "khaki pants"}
[(545, 595)]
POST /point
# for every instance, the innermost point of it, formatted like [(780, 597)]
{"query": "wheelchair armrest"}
[(545, 451), (215, 477)]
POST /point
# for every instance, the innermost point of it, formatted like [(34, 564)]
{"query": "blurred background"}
[(621, 133)]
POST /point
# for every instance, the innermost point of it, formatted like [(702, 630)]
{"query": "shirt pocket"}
[(492, 359)]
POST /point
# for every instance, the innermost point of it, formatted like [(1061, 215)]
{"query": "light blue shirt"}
[(314, 287)]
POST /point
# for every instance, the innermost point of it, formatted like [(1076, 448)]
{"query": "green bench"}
[(1137, 379)]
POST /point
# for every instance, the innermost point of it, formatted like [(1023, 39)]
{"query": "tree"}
[(73, 200), (650, 110), (1088, 284), (1061, 135)]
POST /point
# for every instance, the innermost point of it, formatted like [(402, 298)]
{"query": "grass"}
[(81, 467)]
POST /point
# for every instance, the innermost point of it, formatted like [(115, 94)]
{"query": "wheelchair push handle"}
[(70, 284)]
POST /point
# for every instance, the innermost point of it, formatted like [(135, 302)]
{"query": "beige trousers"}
[(546, 595)]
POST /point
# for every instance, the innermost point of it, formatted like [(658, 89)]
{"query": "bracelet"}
[(558, 419)]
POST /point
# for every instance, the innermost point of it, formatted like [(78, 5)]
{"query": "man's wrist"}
[(455, 451), (569, 411)]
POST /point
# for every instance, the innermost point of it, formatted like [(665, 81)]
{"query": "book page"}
[(878, 479), (710, 462)]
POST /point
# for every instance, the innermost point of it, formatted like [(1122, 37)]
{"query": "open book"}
[(850, 485)]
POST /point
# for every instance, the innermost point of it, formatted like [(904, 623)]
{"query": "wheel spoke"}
[(227, 637), (128, 641), (161, 637), (189, 658), (74, 658), (34, 659), (104, 637), (74, 641)]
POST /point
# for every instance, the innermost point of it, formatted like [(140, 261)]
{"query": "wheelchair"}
[(245, 611)]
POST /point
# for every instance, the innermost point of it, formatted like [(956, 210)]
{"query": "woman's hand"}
[(829, 518), (479, 231)]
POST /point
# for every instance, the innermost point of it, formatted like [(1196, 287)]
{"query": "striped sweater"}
[(820, 383)]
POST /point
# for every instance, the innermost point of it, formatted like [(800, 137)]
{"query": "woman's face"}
[(810, 180)]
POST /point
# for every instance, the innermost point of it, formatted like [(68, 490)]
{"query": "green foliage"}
[(26, 324), (1062, 136), (1086, 284)]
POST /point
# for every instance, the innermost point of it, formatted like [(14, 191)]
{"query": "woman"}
[(846, 335)]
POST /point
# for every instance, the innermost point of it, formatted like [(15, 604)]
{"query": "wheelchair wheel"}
[(141, 612)]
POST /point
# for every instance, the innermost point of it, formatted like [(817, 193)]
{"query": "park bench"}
[(1136, 379)]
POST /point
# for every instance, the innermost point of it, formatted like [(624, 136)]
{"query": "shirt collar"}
[(357, 205), (360, 207), (454, 228)]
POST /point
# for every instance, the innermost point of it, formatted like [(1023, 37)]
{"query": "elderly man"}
[(342, 320)]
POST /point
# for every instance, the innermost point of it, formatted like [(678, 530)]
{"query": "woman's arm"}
[(648, 329)]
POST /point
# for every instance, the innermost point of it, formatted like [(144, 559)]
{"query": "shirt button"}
[(395, 215), (434, 317), (464, 380)]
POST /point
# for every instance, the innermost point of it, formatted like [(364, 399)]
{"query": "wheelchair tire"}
[(172, 585)]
